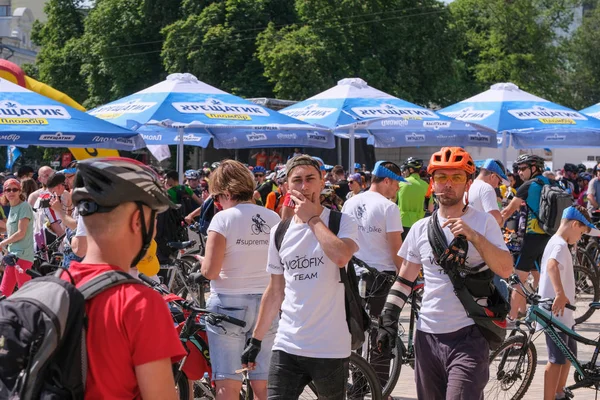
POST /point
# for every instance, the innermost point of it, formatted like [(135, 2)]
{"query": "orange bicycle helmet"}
[(451, 158)]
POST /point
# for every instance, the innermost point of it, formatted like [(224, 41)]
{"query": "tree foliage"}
[(121, 46), (582, 80), (57, 63), (216, 41), (513, 41), (400, 46)]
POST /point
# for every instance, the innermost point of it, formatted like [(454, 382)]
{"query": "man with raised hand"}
[(451, 352), (313, 341)]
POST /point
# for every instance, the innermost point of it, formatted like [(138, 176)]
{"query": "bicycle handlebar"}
[(532, 297), (216, 317)]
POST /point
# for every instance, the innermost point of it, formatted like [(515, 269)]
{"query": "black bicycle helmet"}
[(531, 160), (102, 184), (414, 163), (581, 168), (570, 168)]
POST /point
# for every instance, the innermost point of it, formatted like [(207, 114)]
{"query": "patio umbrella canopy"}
[(352, 109), (28, 118)]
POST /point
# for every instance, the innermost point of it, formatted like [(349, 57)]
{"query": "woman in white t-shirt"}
[(235, 262)]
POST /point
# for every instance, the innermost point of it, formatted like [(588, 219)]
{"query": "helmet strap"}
[(146, 233)]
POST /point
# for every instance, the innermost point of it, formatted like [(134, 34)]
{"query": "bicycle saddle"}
[(595, 305), (181, 245)]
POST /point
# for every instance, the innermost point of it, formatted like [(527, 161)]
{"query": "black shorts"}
[(531, 252)]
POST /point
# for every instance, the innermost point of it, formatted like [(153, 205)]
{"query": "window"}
[(4, 11)]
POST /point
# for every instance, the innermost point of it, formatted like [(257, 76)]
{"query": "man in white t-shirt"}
[(313, 341), (451, 352), (557, 281), (379, 240), (482, 193), (43, 175), (482, 197)]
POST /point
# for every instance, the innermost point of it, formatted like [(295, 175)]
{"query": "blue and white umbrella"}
[(355, 109), (531, 121), (182, 103), (592, 111), (28, 118)]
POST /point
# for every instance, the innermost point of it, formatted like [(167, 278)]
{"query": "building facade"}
[(16, 23)]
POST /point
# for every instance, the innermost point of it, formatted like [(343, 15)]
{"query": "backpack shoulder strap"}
[(280, 232), (105, 281), (335, 218), (436, 237)]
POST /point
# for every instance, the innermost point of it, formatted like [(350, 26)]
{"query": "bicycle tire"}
[(357, 365), (395, 363), (181, 384), (586, 291), (507, 378), (592, 250)]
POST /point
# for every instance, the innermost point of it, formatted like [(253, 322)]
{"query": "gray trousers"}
[(451, 366)]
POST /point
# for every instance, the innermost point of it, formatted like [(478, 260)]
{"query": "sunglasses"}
[(13, 190), (523, 168), (259, 175), (192, 180), (442, 179)]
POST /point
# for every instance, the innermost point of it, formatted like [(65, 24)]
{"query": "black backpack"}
[(553, 201), (42, 337), (170, 227), (472, 289), (356, 317)]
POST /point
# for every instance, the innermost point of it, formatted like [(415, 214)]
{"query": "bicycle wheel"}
[(512, 367), (389, 378), (182, 385), (255, 229), (592, 256), (362, 382), (586, 291)]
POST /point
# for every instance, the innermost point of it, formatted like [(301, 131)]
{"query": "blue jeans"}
[(227, 342), (289, 374)]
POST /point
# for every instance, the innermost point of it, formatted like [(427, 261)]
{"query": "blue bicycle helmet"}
[(259, 169), (191, 174)]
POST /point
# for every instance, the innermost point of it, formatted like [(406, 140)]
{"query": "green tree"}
[(512, 41), (582, 81), (58, 65), (121, 46), (400, 46), (216, 41)]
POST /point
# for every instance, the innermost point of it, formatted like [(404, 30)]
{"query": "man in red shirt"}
[(131, 340)]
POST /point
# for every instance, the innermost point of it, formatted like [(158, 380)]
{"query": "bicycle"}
[(403, 353), (176, 273), (516, 358), (191, 321), (259, 225)]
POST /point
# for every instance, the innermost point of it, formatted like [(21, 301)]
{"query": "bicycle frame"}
[(550, 326)]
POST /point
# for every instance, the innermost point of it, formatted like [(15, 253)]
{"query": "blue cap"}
[(357, 165), (69, 171), (320, 161), (382, 172), (572, 213), (491, 165)]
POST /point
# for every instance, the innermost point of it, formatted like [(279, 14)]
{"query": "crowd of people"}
[(273, 259)]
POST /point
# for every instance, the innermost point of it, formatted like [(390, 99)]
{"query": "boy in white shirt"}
[(557, 280)]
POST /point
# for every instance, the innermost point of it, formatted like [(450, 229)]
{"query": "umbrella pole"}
[(504, 146), (339, 149), (351, 152), (180, 155)]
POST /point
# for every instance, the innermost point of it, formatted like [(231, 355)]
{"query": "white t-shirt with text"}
[(558, 249), (376, 216), (441, 311), (313, 313), (246, 228), (482, 196)]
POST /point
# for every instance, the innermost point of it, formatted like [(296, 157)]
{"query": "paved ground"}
[(406, 390)]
